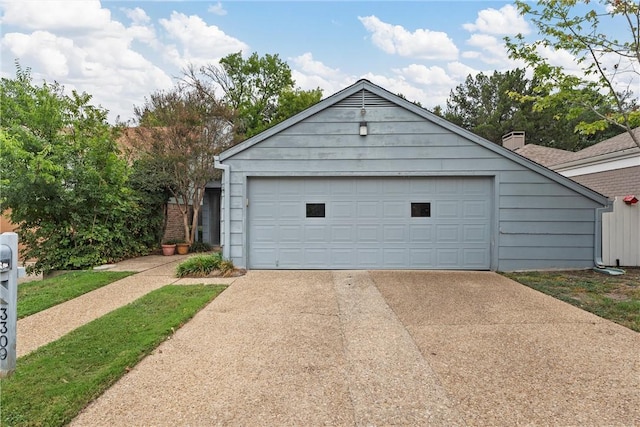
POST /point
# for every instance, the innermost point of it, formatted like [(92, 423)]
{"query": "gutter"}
[(226, 205), (597, 247)]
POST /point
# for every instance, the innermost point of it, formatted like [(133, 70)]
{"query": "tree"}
[(180, 132), (610, 68), (484, 105), (260, 90), (63, 179)]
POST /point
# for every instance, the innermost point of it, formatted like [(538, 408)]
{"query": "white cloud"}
[(56, 15), (80, 46), (52, 54), (307, 64), (421, 44), (399, 85), (421, 74), (138, 16), (198, 42), (309, 74), (505, 21), (459, 71), (217, 9), (491, 51)]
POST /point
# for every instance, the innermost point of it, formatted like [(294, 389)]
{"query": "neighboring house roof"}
[(545, 156), (619, 146), (366, 86)]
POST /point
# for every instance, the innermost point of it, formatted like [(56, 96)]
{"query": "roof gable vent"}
[(365, 99)]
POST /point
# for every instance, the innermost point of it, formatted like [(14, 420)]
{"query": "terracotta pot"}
[(168, 250), (182, 248)]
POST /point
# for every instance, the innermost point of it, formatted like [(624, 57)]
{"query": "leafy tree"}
[(610, 67), (180, 132), (63, 179), (260, 90), (484, 105)]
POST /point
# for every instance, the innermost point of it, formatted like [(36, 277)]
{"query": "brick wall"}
[(175, 227), (7, 226), (618, 182)]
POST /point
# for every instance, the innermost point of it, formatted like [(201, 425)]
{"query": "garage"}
[(367, 180), (370, 223)]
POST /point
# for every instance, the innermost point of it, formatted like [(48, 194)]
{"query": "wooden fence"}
[(621, 235)]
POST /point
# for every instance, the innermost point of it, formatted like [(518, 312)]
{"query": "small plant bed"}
[(39, 295), (207, 265), (54, 383), (616, 298)]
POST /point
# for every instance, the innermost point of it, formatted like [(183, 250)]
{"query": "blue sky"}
[(122, 51)]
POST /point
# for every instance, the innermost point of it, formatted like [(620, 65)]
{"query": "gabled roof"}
[(363, 84)]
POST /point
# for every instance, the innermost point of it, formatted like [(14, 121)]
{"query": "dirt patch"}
[(236, 272)]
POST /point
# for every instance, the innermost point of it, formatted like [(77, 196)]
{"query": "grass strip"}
[(39, 295), (616, 298), (54, 383)]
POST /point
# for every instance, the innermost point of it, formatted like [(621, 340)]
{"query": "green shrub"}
[(226, 267), (203, 265), (200, 247), (199, 265)]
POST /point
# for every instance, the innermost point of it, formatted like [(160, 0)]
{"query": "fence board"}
[(621, 235)]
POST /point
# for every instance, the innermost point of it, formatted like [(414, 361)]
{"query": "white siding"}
[(621, 235)]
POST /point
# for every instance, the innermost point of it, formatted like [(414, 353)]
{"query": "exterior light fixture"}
[(363, 128)]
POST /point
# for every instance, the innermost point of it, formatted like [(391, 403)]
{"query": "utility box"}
[(9, 272)]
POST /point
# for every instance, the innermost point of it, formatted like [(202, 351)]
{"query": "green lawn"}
[(39, 295), (54, 383), (616, 298)]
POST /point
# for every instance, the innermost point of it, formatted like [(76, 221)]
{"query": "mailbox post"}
[(9, 273)]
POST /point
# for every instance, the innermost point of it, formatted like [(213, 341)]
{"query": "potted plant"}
[(169, 248), (182, 248)]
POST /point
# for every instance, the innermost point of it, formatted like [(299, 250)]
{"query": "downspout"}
[(597, 248), (226, 206)]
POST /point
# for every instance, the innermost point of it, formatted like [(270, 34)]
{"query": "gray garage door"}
[(369, 223)]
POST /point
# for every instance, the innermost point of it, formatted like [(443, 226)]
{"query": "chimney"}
[(513, 140)]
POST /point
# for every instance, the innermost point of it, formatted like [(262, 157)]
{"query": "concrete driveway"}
[(382, 348)]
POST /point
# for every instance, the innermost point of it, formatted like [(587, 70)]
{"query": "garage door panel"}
[(368, 234), (368, 187), (475, 187), (368, 257), (342, 210), (447, 187), (395, 210), (316, 257), (475, 209), (447, 209), (266, 210), (420, 233), (263, 258), (447, 234), (367, 210), (395, 258), (475, 233), (368, 223), (394, 233), (420, 256), (265, 233), (447, 258), (343, 233), (475, 257), (288, 234), (316, 234), (289, 210)]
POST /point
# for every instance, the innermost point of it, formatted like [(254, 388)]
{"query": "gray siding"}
[(538, 223)]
